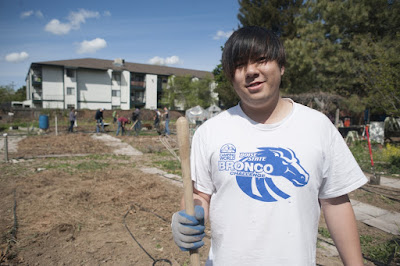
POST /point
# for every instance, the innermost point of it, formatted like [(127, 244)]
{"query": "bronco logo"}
[(254, 172)]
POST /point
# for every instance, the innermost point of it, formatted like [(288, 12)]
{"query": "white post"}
[(56, 127), (337, 118), (5, 148)]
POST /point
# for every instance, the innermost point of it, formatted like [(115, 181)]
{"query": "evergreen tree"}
[(276, 15), (346, 47)]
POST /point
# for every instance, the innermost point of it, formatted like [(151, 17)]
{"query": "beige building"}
[(90, 83)]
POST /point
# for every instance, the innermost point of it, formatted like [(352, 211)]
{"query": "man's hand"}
[(187, 230)]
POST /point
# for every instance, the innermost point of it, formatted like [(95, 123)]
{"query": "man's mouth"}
[(254, 85)]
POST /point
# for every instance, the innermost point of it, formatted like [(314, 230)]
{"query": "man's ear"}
[(282, 70)]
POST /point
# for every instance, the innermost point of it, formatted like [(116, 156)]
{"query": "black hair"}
[(249, 44)]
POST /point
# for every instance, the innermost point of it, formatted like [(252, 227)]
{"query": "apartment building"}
[(91, 83)]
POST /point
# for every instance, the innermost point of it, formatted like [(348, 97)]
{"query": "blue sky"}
[(178, 33)]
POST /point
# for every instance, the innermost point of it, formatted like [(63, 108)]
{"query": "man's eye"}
[(262, 60)]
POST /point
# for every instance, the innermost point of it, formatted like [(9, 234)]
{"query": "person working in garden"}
[(99, 120), (166, 115), (261, 171), (72, 118), (122, 121)]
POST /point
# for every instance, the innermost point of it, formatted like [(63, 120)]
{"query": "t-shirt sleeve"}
[(342, 174), (200, 164)]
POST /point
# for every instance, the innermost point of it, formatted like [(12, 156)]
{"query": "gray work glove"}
[(187, 230)]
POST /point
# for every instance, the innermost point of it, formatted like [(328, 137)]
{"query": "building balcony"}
[(137, 85), (137, 104), (36, 80)]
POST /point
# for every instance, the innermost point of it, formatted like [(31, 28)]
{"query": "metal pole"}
[(56, 127), (5, 147)]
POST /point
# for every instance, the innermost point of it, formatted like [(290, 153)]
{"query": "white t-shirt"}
[(265, 182)]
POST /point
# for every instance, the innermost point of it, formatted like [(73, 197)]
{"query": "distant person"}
[(76, 120), (114, 115), (166, 115), (122, 121), (137, 124), (99, 120), (157, 118), (72, 118)]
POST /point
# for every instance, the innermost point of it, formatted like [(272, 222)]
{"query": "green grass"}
[(170, 166), (384, 252), (85, 165), (92, 165), (386, 158), (324, 232)]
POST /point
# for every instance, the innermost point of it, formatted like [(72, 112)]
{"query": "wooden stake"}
[(182, 127)]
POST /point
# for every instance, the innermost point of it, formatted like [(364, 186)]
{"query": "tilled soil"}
[(96, 208)]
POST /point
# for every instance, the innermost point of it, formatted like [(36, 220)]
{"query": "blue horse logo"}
[(257, 169)]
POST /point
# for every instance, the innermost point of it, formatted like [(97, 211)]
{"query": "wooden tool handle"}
[(182, 126)]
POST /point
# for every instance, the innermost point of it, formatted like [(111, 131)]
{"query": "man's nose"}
[(252, 70)]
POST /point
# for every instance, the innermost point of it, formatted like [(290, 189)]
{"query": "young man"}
[(262, 170), (99, 120), (166, 115), (156, 118), (72, 118)]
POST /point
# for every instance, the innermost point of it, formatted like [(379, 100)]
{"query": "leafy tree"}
[(276, 15), (226, 94), (188, 91), (5, 94), (20, 94)]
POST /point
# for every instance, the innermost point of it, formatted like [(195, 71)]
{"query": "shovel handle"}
[(182, 127)]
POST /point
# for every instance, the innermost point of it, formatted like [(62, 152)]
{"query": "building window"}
[(116, 93), (70, 90), (70, 73), (116, 77), (138, 77), (139, 97), (137, 80), (70, 106)]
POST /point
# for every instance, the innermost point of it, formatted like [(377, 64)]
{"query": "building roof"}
[(101, 64)]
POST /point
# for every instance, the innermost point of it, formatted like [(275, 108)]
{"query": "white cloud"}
[(26, 14), (75, 19), (222, 35), (90, 47), (17, 57), (58, 28), (29, 13), (173, 60), (107, 13)]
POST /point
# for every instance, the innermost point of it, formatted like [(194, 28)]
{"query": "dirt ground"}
[(97, 208)]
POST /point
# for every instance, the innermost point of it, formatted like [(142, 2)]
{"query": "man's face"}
[(257, 83)]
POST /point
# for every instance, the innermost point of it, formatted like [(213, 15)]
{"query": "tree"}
[(188, 91), (226, 94), (6, 94), (20, 94), (346, 47), (276, 15), (380, 74)]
